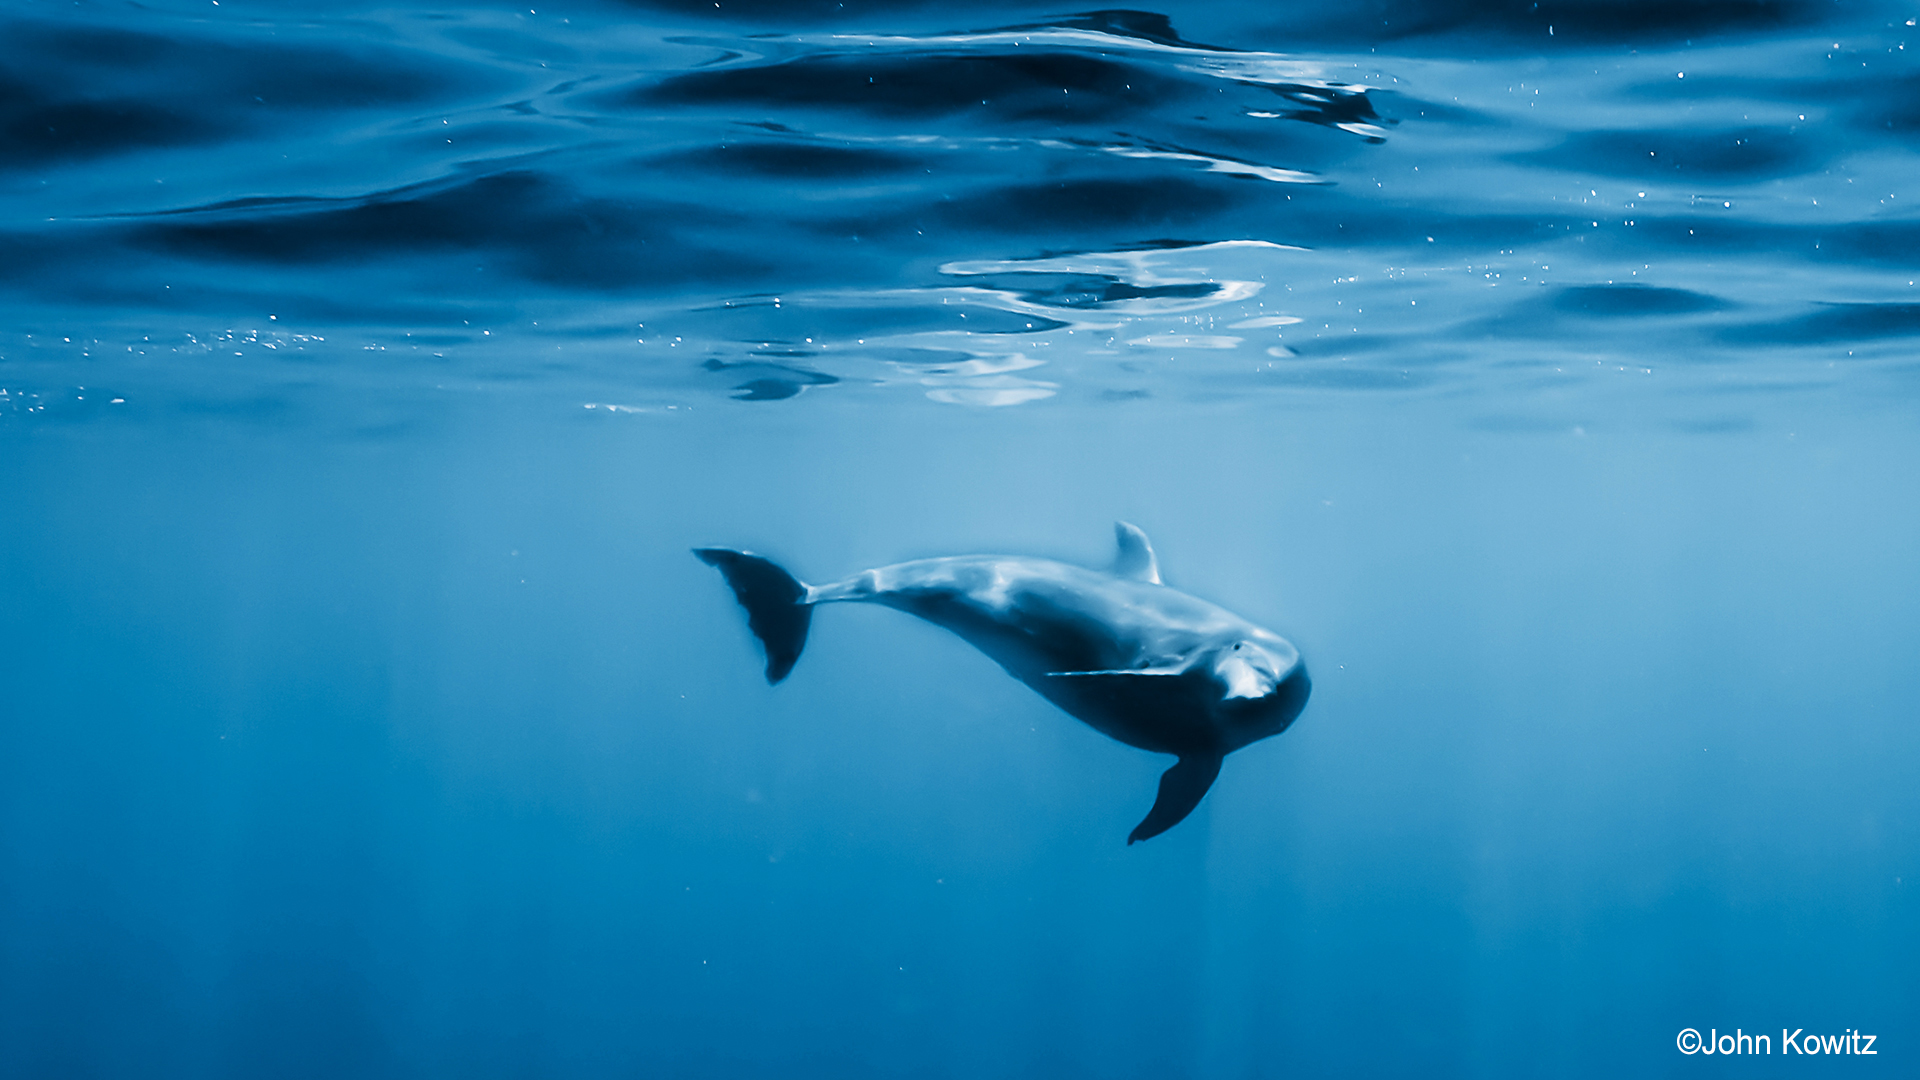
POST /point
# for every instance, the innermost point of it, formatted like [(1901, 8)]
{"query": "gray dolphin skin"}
[(1133, 659)]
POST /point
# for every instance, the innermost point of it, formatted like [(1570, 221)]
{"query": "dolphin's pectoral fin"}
[(1135, 560), (1181, 789), (1152, 690)]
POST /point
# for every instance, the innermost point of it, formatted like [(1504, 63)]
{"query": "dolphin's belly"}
[(1150, 717)]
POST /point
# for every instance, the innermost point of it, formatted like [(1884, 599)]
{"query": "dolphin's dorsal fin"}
[(1181, 789), (1136, 561)]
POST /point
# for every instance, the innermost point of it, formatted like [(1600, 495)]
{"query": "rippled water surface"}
[(1546, 371)]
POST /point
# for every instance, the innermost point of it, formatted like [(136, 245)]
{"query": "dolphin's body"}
[(1136, 660)]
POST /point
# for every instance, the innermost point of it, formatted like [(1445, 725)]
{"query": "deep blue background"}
[(368, 374)]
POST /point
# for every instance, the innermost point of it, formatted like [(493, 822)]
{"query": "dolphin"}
[(1135, 660)]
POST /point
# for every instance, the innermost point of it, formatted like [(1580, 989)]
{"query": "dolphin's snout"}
[(1249, 671), (1290, 697), (1283, 693)]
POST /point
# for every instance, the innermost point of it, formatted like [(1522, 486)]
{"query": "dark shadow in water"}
[(1643, 20), (551, 232), (1525, 23), (1896, 243), (1709, 230), (1054, 86), (1870, 99), (1545, 313), (26, 257), (767, 381), (35, 130), (275, 75), (1339, 345), (1891, 104), (790, 161), (1726, 154), (1120, 22), (1628, 301), (72, 93), (1071, 204), (1833, 323)]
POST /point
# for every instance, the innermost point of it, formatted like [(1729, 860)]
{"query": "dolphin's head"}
[(1263, 686)]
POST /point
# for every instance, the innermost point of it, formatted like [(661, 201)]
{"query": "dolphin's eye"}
[(1236, 646)]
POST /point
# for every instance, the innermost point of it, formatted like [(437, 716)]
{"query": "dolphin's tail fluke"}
[(776, 603)]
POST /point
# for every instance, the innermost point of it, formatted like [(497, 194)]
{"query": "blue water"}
[(1547, 373)]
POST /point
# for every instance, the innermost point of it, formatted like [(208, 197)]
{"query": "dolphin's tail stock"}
[(776, 603)]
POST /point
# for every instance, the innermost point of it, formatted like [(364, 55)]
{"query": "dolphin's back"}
[(1036, 615)]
